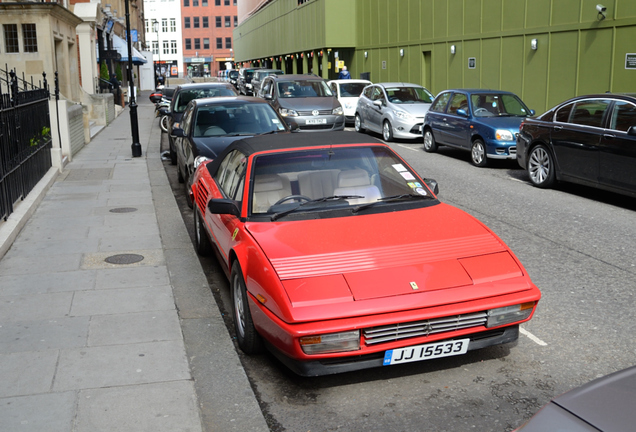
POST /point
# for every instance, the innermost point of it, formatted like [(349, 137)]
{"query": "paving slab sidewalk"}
[(86, 345)]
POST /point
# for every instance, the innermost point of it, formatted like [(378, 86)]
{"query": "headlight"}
[(337, 111), (287, 112), (330, 343), (503, 135), (509, 314), (402, 115), (199, 160)]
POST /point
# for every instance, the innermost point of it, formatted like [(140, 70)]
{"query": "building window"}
[(217, 2), (218, 21), (166, 47), (206, 24), (204, 3), (164, 25), (206, 43), (147, 23), (228, 42), (227, 2), (195, 2), (188, 44), (235, 21), (227, 21), (186, 22), (197, 43), (173, 47), (196, 22), (234, 3), (155, 47), (11, 38), (219, 43), (173, 25), (186, 3)]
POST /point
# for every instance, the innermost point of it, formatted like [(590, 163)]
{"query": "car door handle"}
[(557, 127), (609, 136)]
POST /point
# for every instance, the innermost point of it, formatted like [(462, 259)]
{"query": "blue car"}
[(484, 122)]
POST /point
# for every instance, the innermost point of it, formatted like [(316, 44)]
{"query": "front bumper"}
[(407, 129), (332, 123), (501, 149), (504, 335)]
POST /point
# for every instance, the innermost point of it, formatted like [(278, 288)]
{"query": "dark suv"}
[(184, 94)]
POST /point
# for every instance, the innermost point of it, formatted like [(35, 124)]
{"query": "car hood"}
[(211, 147), (417, 253), (309, 103), (415, 109), (510, 123)]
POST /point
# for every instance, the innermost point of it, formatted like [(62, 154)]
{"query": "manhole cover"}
[(123, 210), (124, 259)]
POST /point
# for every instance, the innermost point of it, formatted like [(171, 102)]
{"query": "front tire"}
[(387, 131), (201, 240), (164, 123), (173, 154), (358, 124), (478, 153), (247, 337), (430, 146), (187, 184), (541, 167)]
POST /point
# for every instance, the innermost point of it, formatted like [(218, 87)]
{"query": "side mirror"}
[(178, 132), (532, 112), (462, 112), (223, 206), (267, 97), (432, 184), (378, 103), (631, 131)]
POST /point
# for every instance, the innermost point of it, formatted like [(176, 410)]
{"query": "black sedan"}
[(605, 404), (211, 124), (184, 94), (589, 140)]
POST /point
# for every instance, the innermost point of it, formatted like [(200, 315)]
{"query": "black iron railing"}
[(25, 137)]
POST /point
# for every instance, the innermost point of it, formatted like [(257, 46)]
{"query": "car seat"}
[(357, 182)]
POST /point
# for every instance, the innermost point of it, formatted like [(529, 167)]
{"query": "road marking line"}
[(532, 337), (407, 147), (517, 180)]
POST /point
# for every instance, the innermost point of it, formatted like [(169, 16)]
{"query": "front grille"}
[(417, 129), (309, 113), (316, 127), (393, 332), (512, 150)]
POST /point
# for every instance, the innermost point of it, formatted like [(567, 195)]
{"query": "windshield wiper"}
[(279, 215), (392, 198)]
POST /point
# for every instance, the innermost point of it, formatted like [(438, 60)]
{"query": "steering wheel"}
[(481, 111), (292, 197)]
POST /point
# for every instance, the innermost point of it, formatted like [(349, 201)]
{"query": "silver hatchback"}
[(396, 110)]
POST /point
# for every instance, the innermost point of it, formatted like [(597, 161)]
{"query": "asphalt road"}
[(579, 247)]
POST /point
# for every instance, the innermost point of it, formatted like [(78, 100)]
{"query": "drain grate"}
[(124, 259), (123, 210)]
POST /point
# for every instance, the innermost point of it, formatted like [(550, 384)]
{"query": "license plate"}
[(426, 352), (316, 121)]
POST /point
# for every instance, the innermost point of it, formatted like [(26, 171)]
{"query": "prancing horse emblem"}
[(414, 285), (315, 112)]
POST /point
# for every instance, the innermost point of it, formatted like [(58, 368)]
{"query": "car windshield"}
[(498, 105), (409, 95), (303, 89), (353, 179), (236, 119), (234, 74), (351, 89), (186, 96)]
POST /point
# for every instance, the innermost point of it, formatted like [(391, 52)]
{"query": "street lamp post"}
[(134, 124), (155, 26)]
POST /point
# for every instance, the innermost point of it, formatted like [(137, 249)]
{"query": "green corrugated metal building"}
[(543, 50)]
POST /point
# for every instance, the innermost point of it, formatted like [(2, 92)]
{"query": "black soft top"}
[(249, 146)]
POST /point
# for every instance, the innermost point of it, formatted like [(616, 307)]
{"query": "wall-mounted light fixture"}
[(452, 49), (601, 12), (366, 54), (533, 44), (401, 52)]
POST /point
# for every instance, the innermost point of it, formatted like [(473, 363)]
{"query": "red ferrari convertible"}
[(340, 256)]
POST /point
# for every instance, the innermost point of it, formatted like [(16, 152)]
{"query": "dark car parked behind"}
[(183, 94), (244, 82), (305, 101), (590, 140), (210, 125), (259, 76)]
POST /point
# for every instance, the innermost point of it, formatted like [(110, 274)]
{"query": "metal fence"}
[(25, 137)]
